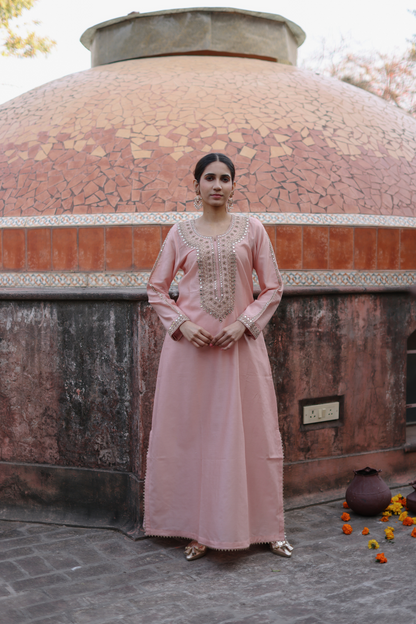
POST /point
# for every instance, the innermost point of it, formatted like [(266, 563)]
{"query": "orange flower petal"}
[(345, 517), (347, 529), (365, 531), (381, 558), (345, 505)]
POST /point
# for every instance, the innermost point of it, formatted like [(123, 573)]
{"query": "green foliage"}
[(13, 8), (13, 44)]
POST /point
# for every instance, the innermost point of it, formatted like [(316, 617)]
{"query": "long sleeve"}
[(256, 316), (163, 272)]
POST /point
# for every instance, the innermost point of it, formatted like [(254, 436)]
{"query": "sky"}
[(373, 25)]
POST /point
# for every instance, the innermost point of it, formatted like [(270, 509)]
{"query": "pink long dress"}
[(215, 460)]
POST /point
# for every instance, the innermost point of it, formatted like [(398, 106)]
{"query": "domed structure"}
[(121, 139), (94, 169), (129, 133)]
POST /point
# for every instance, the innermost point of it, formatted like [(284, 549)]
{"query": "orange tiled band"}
[(127, 248)]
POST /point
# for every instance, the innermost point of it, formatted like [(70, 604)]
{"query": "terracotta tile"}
[(64, 249), (289, 246), (39, 257), (388, 245), (315, 247), (365, 179), (341, 248), (365, 249), (91, 249), (119, 248), (408, 249), (271, 231), (14, 252), (146, 246), (165, 231)]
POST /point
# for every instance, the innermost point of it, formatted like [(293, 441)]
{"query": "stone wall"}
[(78, 372)]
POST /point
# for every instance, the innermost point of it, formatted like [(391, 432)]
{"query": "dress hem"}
[(213, 545)]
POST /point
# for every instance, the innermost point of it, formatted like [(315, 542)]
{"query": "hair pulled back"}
[(203, 163)]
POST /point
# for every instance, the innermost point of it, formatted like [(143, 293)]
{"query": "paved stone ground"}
[(60, 575)]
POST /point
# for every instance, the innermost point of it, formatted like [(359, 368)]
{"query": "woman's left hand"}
[(229, 335)]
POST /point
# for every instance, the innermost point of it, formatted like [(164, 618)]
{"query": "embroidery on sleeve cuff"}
[(251, 326), (172, 331)]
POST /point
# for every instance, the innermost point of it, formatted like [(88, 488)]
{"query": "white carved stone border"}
[(139, 279), (170, 218)]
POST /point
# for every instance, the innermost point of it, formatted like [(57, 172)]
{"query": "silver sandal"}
[(283, 548), (194, 550)]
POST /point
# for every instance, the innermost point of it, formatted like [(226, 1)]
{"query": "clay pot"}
[(367, 494), (411, 499)]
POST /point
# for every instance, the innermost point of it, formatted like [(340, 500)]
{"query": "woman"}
[(215, 461)]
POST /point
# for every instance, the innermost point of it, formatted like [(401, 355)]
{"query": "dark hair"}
[(203, 163)]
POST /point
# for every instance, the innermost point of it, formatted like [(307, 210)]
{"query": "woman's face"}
[(215, 185)]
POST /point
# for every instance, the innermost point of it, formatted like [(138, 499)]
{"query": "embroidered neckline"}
[(217, 264), (213, 237)]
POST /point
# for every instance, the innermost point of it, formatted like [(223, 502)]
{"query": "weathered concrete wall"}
[(353, 346), (77, 380), (66, 385)]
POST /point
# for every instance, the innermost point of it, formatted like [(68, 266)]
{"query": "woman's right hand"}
[(196, 335)]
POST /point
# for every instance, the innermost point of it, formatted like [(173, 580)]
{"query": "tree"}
[(390, 76), (11, 41)]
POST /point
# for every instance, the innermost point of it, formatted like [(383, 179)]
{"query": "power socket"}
[(320, 413)]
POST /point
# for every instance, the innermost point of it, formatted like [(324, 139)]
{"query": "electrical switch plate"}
[(320, 413)]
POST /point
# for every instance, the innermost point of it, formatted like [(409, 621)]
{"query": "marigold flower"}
[(365, 531), (345, 505), (347, 528), (373, 544), (396, 498), (408, 521), (389, 535), (413, 533), (345, 517), (403, 515), (381, 558), (395, 508), (384, 519), (414, 520)]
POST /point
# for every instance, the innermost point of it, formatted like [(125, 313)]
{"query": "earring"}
[(230, 202), (198, 202)]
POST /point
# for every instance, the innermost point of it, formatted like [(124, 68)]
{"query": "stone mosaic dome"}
[(124, 138), (96, 166)]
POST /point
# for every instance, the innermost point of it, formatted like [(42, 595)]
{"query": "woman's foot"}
[(194, 550), (283, 548)]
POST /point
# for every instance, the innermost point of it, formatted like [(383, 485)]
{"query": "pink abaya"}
[(215, 461)]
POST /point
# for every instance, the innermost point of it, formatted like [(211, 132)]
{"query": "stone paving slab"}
[(61, 575)]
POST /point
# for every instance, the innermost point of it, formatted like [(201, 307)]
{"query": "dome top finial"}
[(207, 31)]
